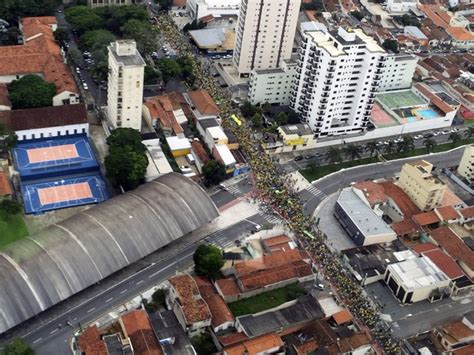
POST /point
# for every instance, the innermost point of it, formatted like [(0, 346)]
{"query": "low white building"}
[(157, 162), (416, 280), (398, 72), (223, 154), (217, 8), (215, 135), (272, 86), (400, 6), (47, 122)]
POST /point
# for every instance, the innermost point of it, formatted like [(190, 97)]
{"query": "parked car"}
[(319, 287), (298, 158), (78, 70), (309, 156), (445, 132), (419, 136), (436, 134), (84, 85)]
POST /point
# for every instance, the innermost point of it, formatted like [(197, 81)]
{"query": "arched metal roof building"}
[(39, 271)]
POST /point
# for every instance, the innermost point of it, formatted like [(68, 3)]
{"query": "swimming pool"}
[(427, 113)]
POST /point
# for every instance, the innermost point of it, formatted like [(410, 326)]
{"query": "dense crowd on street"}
[(277, 192)]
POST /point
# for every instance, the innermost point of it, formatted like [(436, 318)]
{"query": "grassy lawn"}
[(312, 174), (266, 300), (11, 229)]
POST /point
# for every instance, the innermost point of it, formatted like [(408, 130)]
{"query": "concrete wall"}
[(52, 131)]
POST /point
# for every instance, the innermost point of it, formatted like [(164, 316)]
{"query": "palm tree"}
[(469, 133), (408, 143), (429, 143), (388, 149), (334, 155), (352, 151), (372, 147), (455, 138)]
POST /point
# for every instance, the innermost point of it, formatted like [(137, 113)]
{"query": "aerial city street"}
[(236, 177)]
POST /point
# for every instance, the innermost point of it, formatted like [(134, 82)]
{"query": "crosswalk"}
[(234, 189), (270, 218), (315, 192)]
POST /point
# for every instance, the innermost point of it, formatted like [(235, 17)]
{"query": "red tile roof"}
[(374, 193), (91, 343), (342, 317), (453, 245), (266, 262), (200, 151), (400, 198), (426, 218), (447, 213), (203, 102), (353, 342), (43, 117), (467, 212), (423, 247), (278, 243), (445, 263), (219, 310), (436, 14), (161, 108), (258, 345), (4, 95), (39, 55), (139, 330), (194, 308), (232, 338), (5, 187), (228, 287), (405, 227), (465, 350)]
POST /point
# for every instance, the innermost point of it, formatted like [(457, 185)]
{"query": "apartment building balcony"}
[(327, 82), (378, 72), (322, 107), (326, 88), (325, 95), (324, 101), (331, 70), (377, 77), (299, 70), (332, 63)]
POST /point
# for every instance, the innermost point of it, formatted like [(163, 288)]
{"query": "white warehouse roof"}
[(225, 154), (177, 143)]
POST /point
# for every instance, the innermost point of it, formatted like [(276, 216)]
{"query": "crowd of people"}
[(278, 193)]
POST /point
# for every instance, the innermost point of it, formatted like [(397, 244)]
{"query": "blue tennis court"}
[(41, 196), (54, 157)]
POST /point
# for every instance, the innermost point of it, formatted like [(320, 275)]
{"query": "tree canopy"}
[(126, 162), (214, 172), (12, 10), (208, 261), (31, 91), (9, 207), (142, 32), (84, 18), (17, 347), (391, 45), (169, 68)]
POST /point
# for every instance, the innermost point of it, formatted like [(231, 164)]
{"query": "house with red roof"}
[(40, 55)]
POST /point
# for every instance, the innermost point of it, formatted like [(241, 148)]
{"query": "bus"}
[(236, 120)]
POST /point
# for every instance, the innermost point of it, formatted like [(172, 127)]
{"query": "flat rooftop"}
[(127, 60), (361, 214), (417, 273)]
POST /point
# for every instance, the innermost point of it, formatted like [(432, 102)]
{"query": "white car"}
[(445, 132), (84, 85), (78, 70), (436, 134), (419, 136)]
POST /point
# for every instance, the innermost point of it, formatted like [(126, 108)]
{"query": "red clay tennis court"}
[(57, 194), (59, 152)]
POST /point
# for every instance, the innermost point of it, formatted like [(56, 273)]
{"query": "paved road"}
[(330, 184), (223, 196), (51, 336)]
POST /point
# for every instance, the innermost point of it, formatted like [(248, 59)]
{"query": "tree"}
[(257, 120), (334, 155), (357, 14), (208, 261), (391, 45), (8, 138), (84, 18), (282, 119), (408, 143), (455, 138), (152, 75), (195, 25), (429, 144), (388, 148), (313, 5), (11, 10), (247, 109), (9, 207), (214, 172), (17, 347), (293, 117), (159, 296), (165, 5), (125, 167), (126, 137), (31, 91), (74, 55), (352, 151), (61, 35), (372, 147), (186, 64), (169, 68), (469, 132), (97, 39), (142, 32)]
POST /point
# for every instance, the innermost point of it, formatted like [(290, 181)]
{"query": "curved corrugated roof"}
[(40, 271)]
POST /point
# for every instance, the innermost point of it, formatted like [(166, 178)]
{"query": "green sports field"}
[(400, 99)]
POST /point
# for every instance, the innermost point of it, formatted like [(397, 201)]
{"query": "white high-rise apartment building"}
[(337, 77), (466, 166), (265, 34), (217, 8), (398, 72), (125, 84)]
